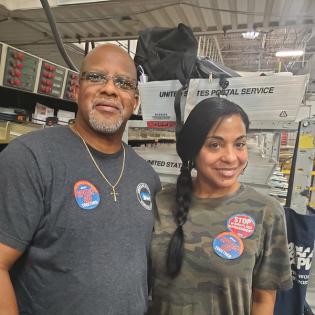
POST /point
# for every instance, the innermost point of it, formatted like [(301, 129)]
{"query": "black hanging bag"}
[(171, 54), (167, 53)]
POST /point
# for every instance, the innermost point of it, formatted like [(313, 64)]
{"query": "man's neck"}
[(106, 143)]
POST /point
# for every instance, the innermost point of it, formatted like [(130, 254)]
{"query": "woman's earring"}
[(243, 171)]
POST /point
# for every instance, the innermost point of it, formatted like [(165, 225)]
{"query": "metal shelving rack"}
[(302, 174)]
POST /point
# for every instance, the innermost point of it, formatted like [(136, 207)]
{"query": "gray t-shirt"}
[(232, 245), (84, 253)]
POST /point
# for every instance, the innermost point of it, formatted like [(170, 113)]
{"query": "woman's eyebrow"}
[(221, 138)]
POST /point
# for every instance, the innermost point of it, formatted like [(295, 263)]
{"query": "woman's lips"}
[(227, 172)]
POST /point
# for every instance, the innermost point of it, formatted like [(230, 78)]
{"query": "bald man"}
[(76, 215)]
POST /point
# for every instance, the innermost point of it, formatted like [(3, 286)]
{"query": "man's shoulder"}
[(141, 167), (43, 135), (41, 142), (137, 158)]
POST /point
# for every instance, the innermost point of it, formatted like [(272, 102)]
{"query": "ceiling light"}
[(250, 35), (289, 53)]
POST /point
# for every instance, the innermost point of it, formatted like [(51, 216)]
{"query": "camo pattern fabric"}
[(209, 284)]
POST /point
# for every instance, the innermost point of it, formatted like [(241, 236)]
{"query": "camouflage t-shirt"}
[(232, 244)]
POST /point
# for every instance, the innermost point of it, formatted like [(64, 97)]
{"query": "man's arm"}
[(8, 256), (263, 302)]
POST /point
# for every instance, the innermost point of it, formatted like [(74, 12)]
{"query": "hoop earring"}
[(192, 164), (243, 171)]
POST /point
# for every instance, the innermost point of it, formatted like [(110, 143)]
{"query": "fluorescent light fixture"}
[(289, 53), (250, 35)]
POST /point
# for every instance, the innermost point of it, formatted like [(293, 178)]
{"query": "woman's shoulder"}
[(167, 193), (165, 200), (263, 200)]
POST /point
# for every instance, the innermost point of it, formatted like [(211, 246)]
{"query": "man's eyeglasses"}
[(121, 82)]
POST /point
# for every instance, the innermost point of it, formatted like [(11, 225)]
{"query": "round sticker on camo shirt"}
[(86, 195), (241, 224), (228, 245)]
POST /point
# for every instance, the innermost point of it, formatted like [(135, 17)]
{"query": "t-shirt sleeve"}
[(157, 182), (21, 195), (157, 188), (272, 270)]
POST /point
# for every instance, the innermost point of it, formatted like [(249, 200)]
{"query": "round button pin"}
[(228, 245), (86, 195), (241, 224)]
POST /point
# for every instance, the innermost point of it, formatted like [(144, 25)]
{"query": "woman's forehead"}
[(228, 124)]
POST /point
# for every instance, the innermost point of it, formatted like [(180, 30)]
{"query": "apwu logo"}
[(300, 256), (144, 196)]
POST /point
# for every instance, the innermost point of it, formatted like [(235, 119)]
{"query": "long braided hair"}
[(189, 142)]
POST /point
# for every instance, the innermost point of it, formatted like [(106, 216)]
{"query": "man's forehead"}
[(99, 60)]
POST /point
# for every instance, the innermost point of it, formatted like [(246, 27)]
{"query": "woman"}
[(220, 247)]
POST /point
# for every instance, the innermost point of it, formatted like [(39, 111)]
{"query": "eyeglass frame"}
[(106, 78)]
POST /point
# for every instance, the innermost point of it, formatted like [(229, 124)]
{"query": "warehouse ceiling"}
[(282, 24)]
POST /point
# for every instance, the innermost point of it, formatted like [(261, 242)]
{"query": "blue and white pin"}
[(144, 196)]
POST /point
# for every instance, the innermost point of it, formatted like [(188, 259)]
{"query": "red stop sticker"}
[(241, 224)]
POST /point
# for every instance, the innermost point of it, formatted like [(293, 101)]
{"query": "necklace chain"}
[(114, 193)]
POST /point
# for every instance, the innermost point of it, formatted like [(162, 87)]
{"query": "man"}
[(76, 214)]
